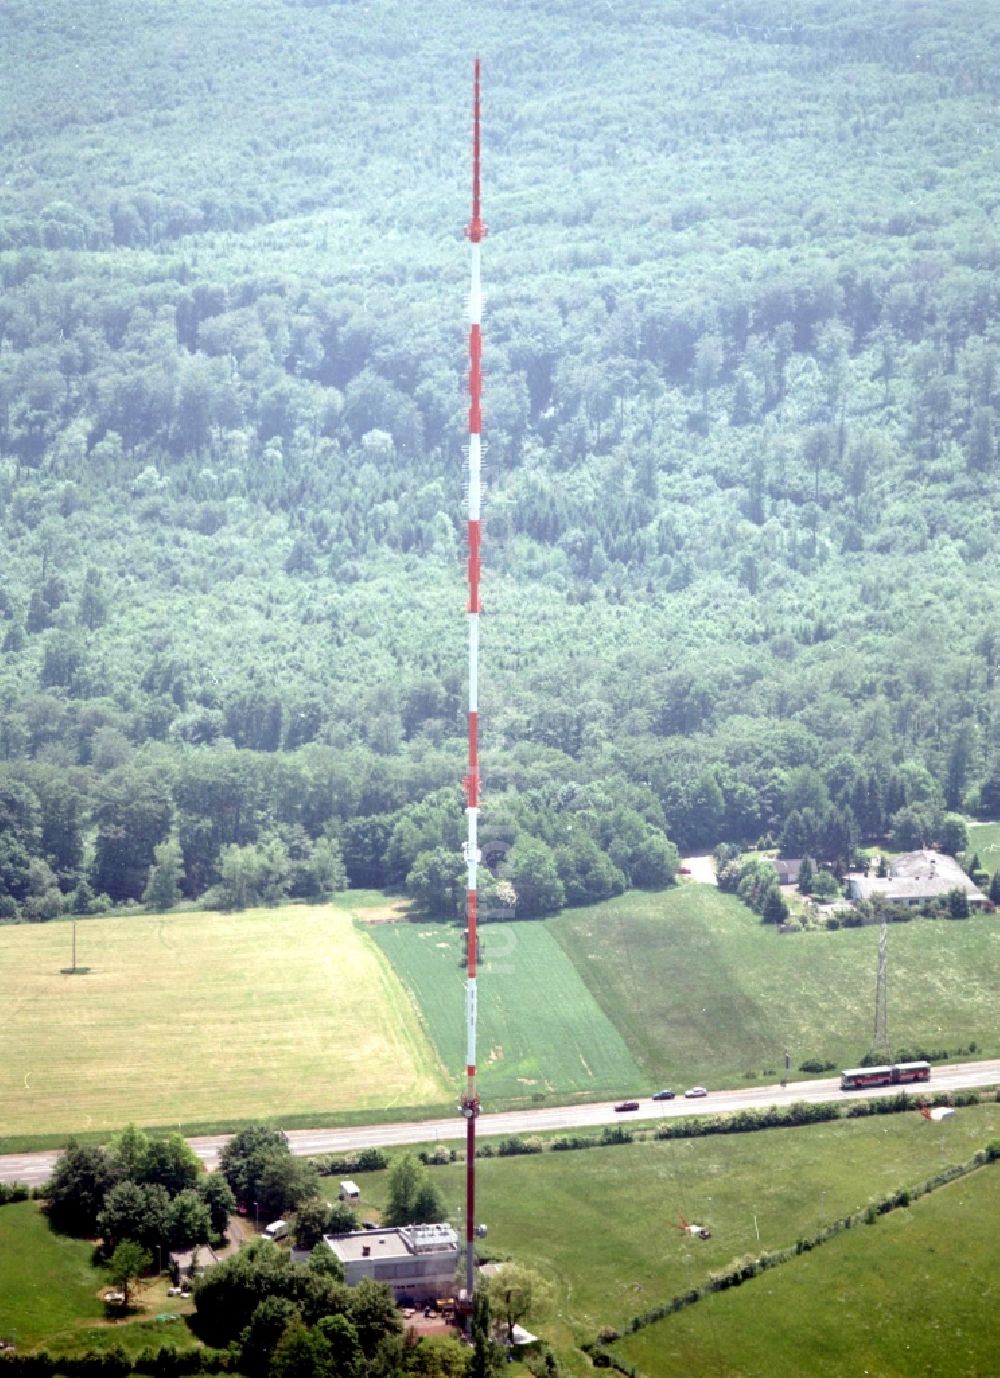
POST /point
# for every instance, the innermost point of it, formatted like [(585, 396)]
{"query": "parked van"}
[(276, 1230)]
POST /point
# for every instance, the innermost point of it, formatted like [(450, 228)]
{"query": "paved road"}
[(34, 1168)]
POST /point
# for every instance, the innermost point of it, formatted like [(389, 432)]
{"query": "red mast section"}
[(476, 232)]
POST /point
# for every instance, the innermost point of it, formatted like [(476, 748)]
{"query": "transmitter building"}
[(418, 1262)]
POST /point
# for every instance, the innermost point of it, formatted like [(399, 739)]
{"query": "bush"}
[(38, 1365), (97, 1363), (216, 1360), (437, 1157), (372, 1160), (168, 1362), (960, 1098), (366, 1160), (514, 1146)]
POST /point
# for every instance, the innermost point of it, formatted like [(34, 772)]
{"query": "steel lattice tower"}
[(881, 1047)]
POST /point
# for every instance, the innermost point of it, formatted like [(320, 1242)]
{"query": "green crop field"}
[(203, 1017), (702, 991), (915, 1295), (540, 1030), (600, 1223)]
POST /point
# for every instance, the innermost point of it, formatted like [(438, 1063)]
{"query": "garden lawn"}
[(202, 1017), (915, 1294), (540, 1031), (47, 1281), (703, 992), (132, 1333)]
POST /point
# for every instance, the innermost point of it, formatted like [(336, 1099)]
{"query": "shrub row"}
[(14, 1191), (739, 1122), (165, 1362), (747, 1121), (365, 1160), (515, 1146), (751, 1266)]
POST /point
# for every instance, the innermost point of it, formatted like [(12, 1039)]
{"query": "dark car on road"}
[(663, 1095), (627, 1105)]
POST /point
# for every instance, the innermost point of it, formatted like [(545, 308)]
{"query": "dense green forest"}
[(741, 387)]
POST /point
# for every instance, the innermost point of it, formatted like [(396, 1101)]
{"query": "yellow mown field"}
[(197, 1017)]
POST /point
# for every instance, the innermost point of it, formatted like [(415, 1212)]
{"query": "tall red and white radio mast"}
[(476, 232)]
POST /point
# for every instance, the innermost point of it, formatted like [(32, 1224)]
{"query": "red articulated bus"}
[(899, 1074)]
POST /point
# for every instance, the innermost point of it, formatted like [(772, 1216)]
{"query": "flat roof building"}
[(418, 1262)]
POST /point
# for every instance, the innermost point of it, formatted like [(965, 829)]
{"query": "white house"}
[(914, 879)]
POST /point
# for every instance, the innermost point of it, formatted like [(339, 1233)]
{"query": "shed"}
[(350, 1192), (186, 1264)]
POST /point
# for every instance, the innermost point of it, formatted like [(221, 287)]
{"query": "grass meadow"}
[(916, 1294), (600, 1224), (702, 991), (984, 842), (540, 1032), (200, 1017)]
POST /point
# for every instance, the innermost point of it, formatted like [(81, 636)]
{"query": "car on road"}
[(627, 1105), (695, 1093), (663, 1095)]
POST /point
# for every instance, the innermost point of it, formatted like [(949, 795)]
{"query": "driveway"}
[(701, 869)]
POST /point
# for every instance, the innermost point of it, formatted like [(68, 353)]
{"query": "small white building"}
[(418, 1262), (350, 1193)]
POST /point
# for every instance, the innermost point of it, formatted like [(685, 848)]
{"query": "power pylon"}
[(881, 1047)]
